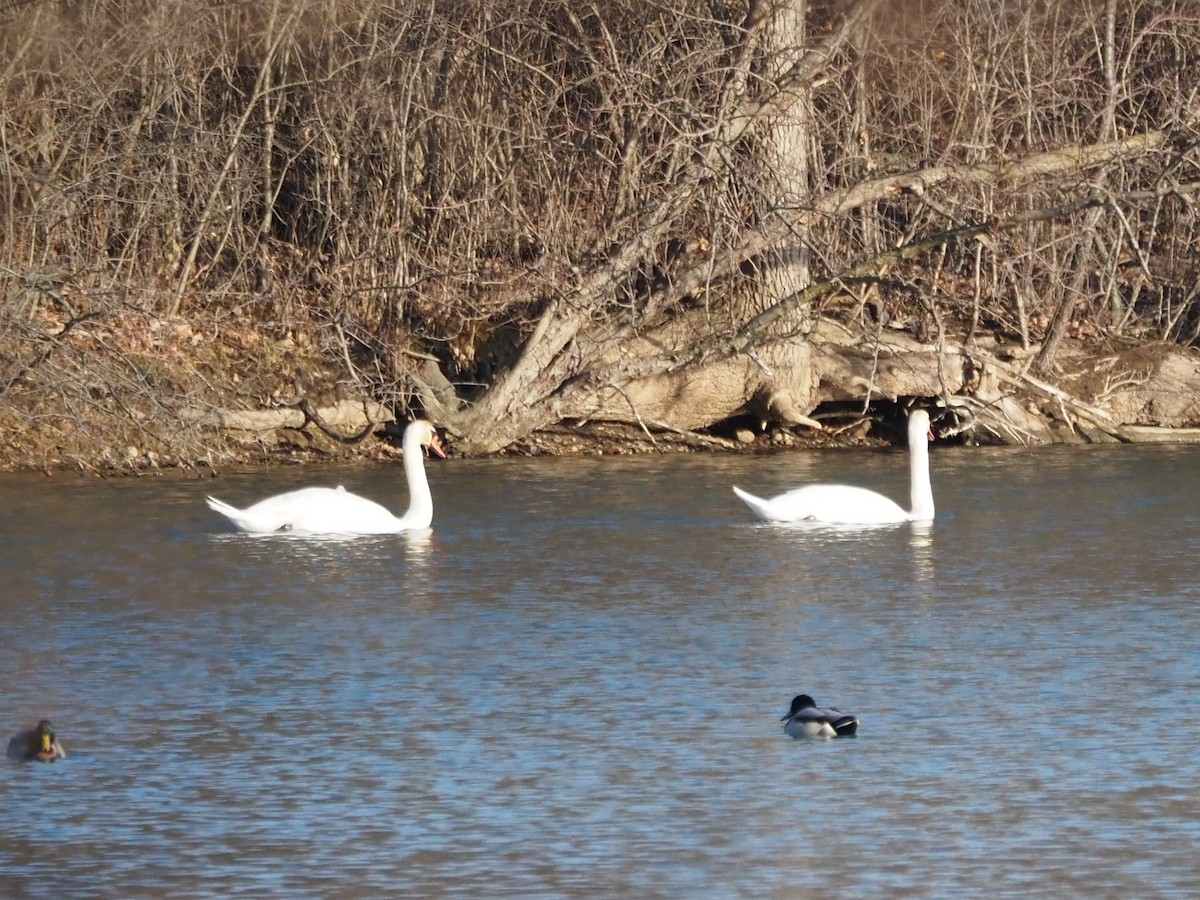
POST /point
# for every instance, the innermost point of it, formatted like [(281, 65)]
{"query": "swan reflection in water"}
[(920, 539), (332, 554), (813, 539)]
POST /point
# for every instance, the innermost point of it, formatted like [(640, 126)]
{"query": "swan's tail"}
[(755, 503), (230, 512)]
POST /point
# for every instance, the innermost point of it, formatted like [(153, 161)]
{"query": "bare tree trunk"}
[(792, 68), (521, 401), (785, 269), (1043, 363)]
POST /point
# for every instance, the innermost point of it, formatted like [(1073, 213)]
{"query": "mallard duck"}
[(807, 720), (36, 744), (843, 504)]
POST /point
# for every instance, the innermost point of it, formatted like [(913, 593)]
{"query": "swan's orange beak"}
[(435, 446)]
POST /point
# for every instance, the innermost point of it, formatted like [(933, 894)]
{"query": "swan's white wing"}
[(340, 512), (831, 504), (312, 510)]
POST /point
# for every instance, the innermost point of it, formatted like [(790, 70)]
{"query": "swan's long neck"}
[(918, 469), (420, 500)]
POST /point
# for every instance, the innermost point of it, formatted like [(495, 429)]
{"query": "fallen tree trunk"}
[(345, 415), (576, 365), (1142, 396)]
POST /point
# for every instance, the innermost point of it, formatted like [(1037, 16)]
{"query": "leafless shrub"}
[(406, 179)]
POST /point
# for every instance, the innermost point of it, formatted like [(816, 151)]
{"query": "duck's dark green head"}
[(45, 733), (802, 701)]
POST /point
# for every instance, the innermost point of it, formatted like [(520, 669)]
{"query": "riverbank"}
[(133, 394)]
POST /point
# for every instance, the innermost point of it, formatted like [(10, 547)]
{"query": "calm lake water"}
[(573, 685)]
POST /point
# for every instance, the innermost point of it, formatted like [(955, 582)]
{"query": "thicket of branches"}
[(425, 178)]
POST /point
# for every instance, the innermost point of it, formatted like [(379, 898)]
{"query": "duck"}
[(37, 744), (326, 510), (807, 720), (843, 504)]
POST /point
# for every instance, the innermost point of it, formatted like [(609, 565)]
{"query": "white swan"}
[(322, 510), (842, 504)]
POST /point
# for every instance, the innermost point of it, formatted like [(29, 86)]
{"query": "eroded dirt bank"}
[(137, 395)]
